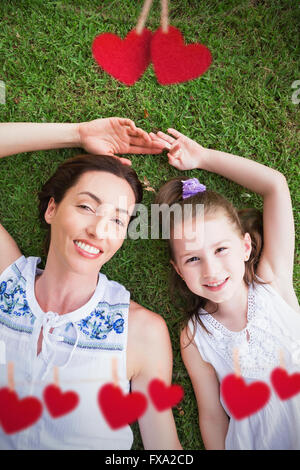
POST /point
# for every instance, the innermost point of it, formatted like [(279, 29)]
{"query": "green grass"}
[(242, 105)]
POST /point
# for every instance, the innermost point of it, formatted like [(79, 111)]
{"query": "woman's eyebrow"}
[(93, 196)]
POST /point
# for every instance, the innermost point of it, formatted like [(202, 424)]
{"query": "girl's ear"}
[(176, 269), (50, 211), (247, 246)]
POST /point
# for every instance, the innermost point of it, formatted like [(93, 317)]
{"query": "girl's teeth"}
[(88, 248), (215, 284)]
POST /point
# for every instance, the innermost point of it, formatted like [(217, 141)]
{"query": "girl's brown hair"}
[(68, 174), (245, 220)]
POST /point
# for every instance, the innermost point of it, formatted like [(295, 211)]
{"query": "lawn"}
[(242, 104)]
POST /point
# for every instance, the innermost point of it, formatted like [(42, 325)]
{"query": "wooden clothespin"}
[(114, 367), (56, 376), (236, 363), (10, 376)]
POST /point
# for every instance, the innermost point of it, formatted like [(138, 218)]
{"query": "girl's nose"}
[(211, 267)]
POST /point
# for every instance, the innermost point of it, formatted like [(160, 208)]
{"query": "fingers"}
[(125, 161), (145, 150), (166, 137), (127, 122), (175, 133)]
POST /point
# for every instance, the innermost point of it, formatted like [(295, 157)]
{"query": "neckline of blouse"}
[(32, 270)]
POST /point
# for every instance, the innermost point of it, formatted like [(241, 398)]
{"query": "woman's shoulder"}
[(145, 321)]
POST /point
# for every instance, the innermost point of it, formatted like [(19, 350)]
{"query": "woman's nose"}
[(99, 228)]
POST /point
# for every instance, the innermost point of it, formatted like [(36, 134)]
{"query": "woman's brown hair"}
[(245, 220), (68, 174)]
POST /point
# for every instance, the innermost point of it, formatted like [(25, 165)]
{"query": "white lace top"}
[(82, 345), (272, 326)]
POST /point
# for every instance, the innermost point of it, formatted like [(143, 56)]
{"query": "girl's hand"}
[(111, 136), (184, 153)]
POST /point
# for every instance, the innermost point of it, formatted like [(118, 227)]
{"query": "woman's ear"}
[(50, 211), (247, 246), (176, 269)]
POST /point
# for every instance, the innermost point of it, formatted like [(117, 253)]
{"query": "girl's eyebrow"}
[(93, 196)]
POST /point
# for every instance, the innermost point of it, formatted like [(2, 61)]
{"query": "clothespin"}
[(10, 376), (281, 359), (236, 364), (114, 366), (56, 376)]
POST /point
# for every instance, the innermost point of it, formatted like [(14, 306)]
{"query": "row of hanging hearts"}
[(244, 400), (118, 409), (173, 61)]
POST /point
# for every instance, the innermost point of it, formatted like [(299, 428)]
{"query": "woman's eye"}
[(193, 258), (83, 206), (119, 222)]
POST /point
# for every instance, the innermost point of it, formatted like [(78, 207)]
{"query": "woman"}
[(69, 315)]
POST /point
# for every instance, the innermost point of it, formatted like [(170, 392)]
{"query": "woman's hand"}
[(111, 136), (184, 153)]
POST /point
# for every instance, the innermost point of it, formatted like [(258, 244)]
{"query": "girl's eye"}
[(194, 258), (221, 249)]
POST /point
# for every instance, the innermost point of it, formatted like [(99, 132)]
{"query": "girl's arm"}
[(213, 421), (277, 259)]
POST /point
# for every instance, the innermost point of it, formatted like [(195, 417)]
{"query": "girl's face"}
[(212, 265), (89, 225)]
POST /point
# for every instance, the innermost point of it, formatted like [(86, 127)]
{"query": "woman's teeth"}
[(88, 248)]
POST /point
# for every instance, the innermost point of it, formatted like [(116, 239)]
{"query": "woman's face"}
[(90, 224), (215, 265)]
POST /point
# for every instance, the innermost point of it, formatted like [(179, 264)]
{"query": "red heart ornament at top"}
[(18, 414), (124, 59), (244, 400), (286, 386), (175, 62), (118, 409), (59, 403), (164, 397)]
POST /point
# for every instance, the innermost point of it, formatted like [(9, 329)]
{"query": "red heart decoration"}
[(164, 397), (59, 403), (16, 414), (175, 62), (124, 59), (243, 400), (285, 385), (118, 409)]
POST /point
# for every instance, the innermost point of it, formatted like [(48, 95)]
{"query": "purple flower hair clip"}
[(191, 187)]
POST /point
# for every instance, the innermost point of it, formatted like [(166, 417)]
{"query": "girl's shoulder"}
[(277, 293)]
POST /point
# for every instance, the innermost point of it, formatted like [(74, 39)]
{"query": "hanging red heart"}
[(59, 403), (175, 62), (286, 386), (127, 59), (16, 414), (118, 409), (243, 400), (164, 397)]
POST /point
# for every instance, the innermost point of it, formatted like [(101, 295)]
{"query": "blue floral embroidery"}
[(13, 299), (99, 323)]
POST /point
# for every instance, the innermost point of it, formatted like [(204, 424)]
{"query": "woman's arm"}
[(109, 136), (213, 421), (153, 356), (277, 259)]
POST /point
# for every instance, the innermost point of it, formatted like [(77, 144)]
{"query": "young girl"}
[(69, 315), (238, 293)]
